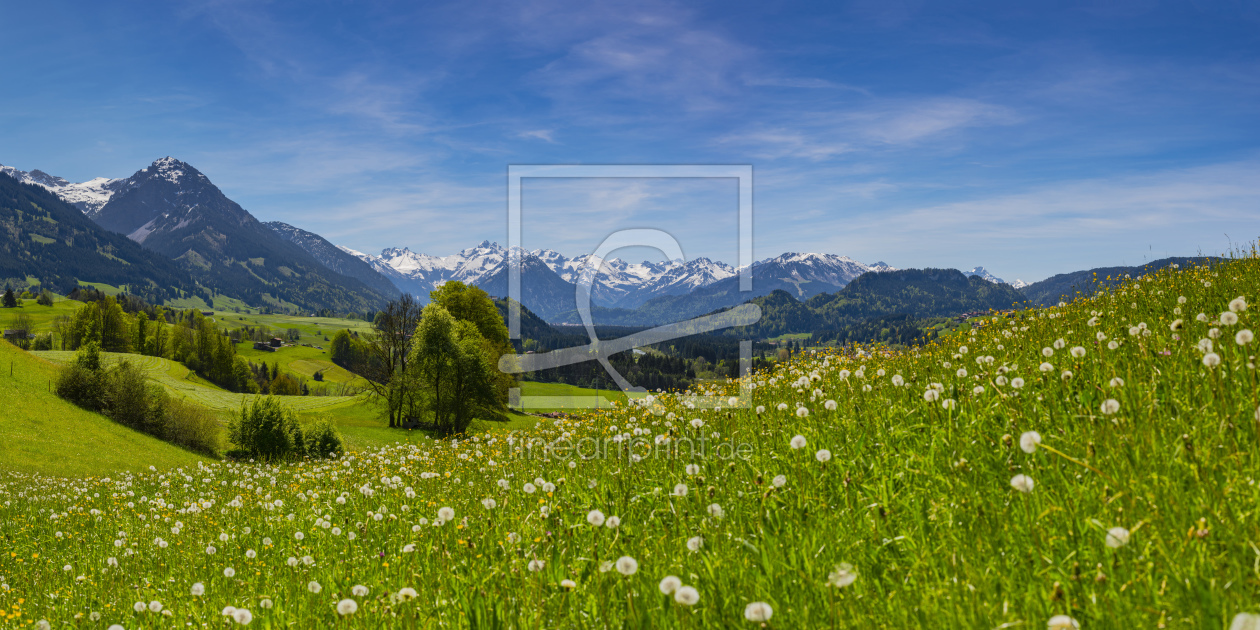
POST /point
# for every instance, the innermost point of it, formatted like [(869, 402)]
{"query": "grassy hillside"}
[(40, 433), (1096, 461)]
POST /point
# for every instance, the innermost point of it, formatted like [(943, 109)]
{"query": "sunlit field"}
[(1091, 465)]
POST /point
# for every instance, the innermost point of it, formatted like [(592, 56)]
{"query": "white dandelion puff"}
[(758, 612), (627, 565), (1022, 483), (669, 584), (595, 518), (1029, 440), (1117, 537), (1062, 622), (347, 607), (842, 576), (686, 595)]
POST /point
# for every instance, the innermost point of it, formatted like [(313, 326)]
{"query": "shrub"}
[(83, 382), (265, 429), (322, 439), (130, 401), (42, 342), (192, 427), (45, 298)]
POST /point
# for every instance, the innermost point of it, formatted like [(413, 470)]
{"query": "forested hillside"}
[(44, 238), (1066, 286)]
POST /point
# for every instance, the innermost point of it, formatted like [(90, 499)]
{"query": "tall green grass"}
[(910, 491)]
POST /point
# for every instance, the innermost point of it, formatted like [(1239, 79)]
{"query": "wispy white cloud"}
[(546, 135)]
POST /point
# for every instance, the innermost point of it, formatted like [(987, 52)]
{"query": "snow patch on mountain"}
[(984, 275), (89, 196), (615, 282)]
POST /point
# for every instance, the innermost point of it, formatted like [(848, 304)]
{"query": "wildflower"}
[(830, 405), (627, 565), (1243, 337), (680, 490), (801, 412), (446, 514), (1245, 621), (155, 606), (823, 455), (536, 565), (962, 373), (347, 607), (1066, 375), (695, 543), (1202, 317), (779, 481), (1023, 483), (293, 562), (949, 403), (1078, 351), (569, 584), (693, 469), (797, 442), (1112, 345), (669, 584), (265, 603), (1238, 304), (1117, 382), (489, 503), (977, 390), (1047, 352), (782, 407), (229, 572), (686, 595), (139, 607), (299, 535), (1017, 383), (242, 616), (251, 554), (1117, 537), (359, 590), (1029, 440), (931, 395), (595, 518), (314, 587), (761, 409), (198, 589), (409, 548), (1062, 622), (613, 522), (758, 612), (1060, 343), (843, 576), (715, 510), (1046, 367), (529, 488), (407, 594), (210, 550), (1211, 359)]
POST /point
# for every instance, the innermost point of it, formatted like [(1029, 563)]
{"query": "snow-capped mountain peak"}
[(89, 196), (984, 275)]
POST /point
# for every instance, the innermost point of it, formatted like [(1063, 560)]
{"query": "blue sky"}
[(1026, 137)]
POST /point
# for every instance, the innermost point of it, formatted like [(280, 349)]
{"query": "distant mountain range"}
[(218, 248)]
